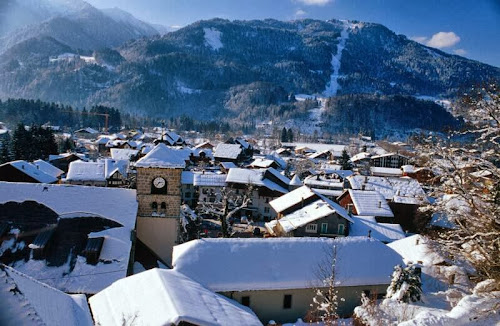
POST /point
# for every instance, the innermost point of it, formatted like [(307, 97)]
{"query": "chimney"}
[(363, 186), (369, 233), (379, 204)]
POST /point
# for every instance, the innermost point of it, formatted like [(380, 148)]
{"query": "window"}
[(154, 206), (267, 200), (163, 205), (324, 227), (311, 228), (341, 229), (287, 301), (266, 209), (245, 301)]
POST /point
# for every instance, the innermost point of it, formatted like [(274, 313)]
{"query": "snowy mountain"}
[(75, 23), (243, 70)]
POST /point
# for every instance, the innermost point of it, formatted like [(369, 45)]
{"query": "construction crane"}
[(106, 115)]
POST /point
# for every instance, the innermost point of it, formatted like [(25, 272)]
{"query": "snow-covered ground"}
[(333, 86), (212, 38)]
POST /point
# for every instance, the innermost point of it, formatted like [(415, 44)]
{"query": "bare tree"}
[(326, 301), (468, 181), (227, 205)]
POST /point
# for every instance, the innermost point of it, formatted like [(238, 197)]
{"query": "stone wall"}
[(172, 199)]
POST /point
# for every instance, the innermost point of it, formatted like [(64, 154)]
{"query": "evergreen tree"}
[(345, 161), (405, 285), (21, 141), (284, 135), (290, 135), (5, 154)]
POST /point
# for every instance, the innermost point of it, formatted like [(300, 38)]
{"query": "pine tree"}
[(290, 135), (405, 285), (5, 155), (345, 161), (284, 135)]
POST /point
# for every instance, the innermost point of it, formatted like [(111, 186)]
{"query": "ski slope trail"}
[(333, 86)]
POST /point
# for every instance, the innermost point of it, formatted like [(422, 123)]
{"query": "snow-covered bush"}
[(405, 285)]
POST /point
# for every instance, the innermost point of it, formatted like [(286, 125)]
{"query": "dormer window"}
[(93, 250)]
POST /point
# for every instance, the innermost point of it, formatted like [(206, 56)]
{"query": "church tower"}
[(159, 197)]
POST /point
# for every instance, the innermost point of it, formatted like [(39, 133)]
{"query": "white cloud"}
[(420, 39), (315, 2), (300, 13), (460, 51), (443, 40)]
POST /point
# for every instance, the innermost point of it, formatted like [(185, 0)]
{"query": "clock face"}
[(159, 182)]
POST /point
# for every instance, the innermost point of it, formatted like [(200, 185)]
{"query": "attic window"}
[(312, 228), (41, 244), (93, 250)]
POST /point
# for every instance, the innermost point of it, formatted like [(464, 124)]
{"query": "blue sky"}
[(466, 27)]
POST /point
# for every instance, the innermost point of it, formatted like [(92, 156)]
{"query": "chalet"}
[(205, 145), (167, 297), (389, 160), (103, 173), (306, 213), (284, 152), (421, 174), (26, 301), (120, 154), (261, 162), (228, 153), (330, 185), (56, 233), (188, 193), (48, 168), (225, 166), (404, 196), (266, 184), (277, 277), (62, 161), (209, 186), (86, 133), (366, 203), (361, 158), (170, 138), (308, 148), (385, 172), (22, 171), (323, 155)]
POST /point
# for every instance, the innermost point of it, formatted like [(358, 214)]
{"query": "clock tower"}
[(159, 197)]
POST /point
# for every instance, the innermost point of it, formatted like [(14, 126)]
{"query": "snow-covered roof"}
[(210, 180), (242, 142), (307, 214), (87, 130), (229, 151), (292, 198), (417, 249), (48, 168), (451, 207), (205, 143), (360, 156), (370, 203), (32, 170), (387, 154), (64, 155), (283, 263), (400, 190), (255, 177), (166, 297), (95, 171), (384, 232), (262, 163), (26, 301), (228, 165), (296, 181), (321, 181), (383, 172), (164, 157), (408, 168), (123, 153), (335, 149), (67, 201)]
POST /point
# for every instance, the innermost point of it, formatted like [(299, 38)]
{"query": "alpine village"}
[(297, 171)]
